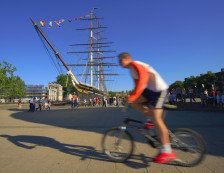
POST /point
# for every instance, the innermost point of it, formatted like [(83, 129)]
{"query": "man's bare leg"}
[(161, 128), (137, 104), (156, 117)]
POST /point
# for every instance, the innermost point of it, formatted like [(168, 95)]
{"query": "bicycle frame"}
[(116, 152), (152, 141)]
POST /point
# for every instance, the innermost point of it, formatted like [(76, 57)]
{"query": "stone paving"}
[(69, 140)]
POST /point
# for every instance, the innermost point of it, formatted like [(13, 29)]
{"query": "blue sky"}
[(179, 38)]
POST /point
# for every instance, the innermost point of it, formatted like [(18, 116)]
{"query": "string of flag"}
[(58, 22)]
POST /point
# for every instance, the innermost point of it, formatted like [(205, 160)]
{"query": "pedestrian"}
[(84, 102), (191, 95), (213, 94), (183, 95), (34, 104), (49, 104), (97, 101), (45, 103), (31, 105), (90, 102), (105, 101), (170, 98), (205, 96), (100, 101), (40, 104), (19, 103), (178, 94), (94, 101), (77, 101), (72, 103), (114, 100)]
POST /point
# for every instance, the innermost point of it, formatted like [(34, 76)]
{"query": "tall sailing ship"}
[(95, 67)]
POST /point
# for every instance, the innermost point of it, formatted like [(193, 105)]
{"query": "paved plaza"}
[(69, 140)]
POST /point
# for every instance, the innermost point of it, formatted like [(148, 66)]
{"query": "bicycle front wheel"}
[(189, 147), (117, 144)]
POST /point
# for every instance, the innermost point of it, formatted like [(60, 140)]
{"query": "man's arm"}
[(143, 77)]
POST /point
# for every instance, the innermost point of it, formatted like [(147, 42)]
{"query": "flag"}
[(57, 23), (50, 24), (42, 23)]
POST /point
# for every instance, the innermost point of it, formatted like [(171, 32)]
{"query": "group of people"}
[(207, 97), (215, 98), (179, 94), (96, 101), (40, 104), (75, 101)]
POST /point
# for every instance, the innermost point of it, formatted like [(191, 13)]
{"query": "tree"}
[(10, 86), (190, 82), (207, 80), (111, 93), (62, 79), (176, 84)]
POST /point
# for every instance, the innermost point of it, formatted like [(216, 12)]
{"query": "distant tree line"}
[(11, 86), (205, 81)]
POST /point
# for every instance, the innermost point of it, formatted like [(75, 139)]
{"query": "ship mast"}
[(91, 52), (95, 62)]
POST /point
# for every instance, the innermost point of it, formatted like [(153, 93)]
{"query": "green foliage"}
[(10, 86), (111, 93), (176, 84), (207, 80), (62, 79)]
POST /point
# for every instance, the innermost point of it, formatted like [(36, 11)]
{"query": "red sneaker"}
[(149, 125), (164, 157)]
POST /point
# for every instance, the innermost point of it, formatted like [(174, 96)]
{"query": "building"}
[(38, 91), (55, 91), (219, 82)]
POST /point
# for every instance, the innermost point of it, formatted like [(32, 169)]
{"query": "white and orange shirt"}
[(145, 77)]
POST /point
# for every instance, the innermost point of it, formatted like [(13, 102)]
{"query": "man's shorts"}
[(156, 99)]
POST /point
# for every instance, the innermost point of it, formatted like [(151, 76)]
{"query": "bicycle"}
[(118, 143)]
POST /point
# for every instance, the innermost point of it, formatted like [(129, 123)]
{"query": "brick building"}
[(219, 82)]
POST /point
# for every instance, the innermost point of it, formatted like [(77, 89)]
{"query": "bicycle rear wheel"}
[(117, 144), (189, 147)]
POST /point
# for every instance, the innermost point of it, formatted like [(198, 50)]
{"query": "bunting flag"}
[(62, 20), (58, 23), (50, 24), (42, 23)]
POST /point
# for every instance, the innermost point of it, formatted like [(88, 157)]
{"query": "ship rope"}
[(59, 71), (83, 71)]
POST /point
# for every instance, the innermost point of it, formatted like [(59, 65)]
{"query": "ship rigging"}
[(94, 67)]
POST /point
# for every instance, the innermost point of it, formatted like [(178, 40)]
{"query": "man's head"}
[(124, 59)]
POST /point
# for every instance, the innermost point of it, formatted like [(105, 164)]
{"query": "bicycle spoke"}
[(117, 144), (188, 146)]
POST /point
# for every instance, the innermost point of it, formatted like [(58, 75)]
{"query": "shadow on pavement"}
[(84, 152), (210, 125)]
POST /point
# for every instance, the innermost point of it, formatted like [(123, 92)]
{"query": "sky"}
[(178, 38)]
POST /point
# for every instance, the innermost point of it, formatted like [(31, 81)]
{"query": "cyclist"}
[(154, 94)]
